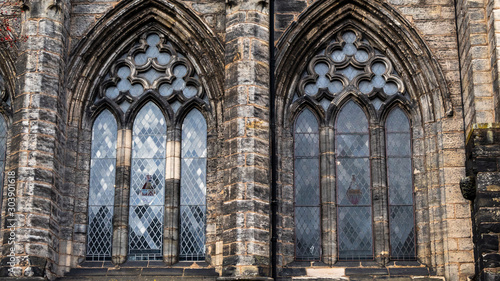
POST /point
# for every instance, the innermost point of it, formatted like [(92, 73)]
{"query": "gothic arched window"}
[(355, 135), (159, 104), (102, 184), (307, 191)]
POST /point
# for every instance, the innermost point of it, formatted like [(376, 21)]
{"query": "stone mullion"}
[(246, 130), (328, 196), (379, 195), (171, 230), (122, 196)]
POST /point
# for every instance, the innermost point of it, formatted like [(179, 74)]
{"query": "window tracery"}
[(154, 91), (350, 86)]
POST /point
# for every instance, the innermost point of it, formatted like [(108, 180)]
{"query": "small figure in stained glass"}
[(354, 192), (147, 191)]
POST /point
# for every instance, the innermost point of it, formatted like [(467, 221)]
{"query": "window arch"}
[(354, 85), (102, 183), (149, 88), (193, 186), (147, 184), (354, 198), (307, 187)]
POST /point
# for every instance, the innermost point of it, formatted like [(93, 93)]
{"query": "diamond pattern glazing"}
[(352, 119), (355, 233), (146, 232), (402, 231), (100, 232), (192, 232), (400, 181), (307, 233), (193, 186), (147, 188), (307, 187), (353, 184), (102, 186)]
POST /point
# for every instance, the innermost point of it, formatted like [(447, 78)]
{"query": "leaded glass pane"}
[(400, 180), (147, 188), (397, 121), (399, 175), (352, 119), (307, 225), (307, 187), (354, 200), (193, 187), (402, 228), (102, 187), (355, 233)]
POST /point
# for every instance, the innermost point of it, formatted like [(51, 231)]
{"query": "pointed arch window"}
[(147, 186), (354, 198), (366, 158), (307, 187), (149, 89), (101, 189), (400, 183), (193, 186)]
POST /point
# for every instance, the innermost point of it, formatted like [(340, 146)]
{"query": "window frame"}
[(174, 119)]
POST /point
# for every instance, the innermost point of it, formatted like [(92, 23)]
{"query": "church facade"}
[(251, 140)]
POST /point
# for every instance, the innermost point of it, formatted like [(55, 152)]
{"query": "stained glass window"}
[(102, 184), (193, 187), (354, 205), (147, 187), (307, 187), (399, 174)]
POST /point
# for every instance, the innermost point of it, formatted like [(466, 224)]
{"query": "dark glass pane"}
[(306, 182), (397, 121), (402, 228), (193, 186), (307, 187), (398, 144), (306, 123), (147, 188), (399, 175), (352, 119), (355, 233), (307, 225), (400, 181), (306, 145), (353, 145), (354, 200), (102, 187)]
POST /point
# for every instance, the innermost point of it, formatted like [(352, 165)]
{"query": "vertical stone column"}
[(38, 140), (172, 198), (246, 133), (328, 196), (122, 196)]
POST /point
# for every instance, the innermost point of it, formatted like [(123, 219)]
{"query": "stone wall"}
[(71, 45)]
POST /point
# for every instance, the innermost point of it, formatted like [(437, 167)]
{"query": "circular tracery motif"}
[(153, 63), (349, 62)]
